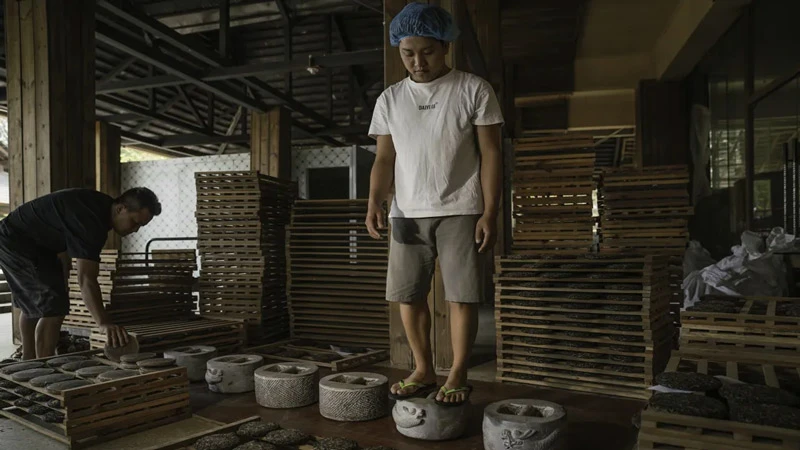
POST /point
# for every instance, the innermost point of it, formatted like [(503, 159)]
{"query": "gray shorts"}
[(414, 247)]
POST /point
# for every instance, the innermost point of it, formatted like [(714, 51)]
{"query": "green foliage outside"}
[(128, 154)]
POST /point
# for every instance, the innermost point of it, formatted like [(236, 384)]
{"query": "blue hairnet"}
[(421, 20)]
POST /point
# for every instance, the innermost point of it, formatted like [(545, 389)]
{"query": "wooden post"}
[(271, 143), (50, 62), (108, 168), (393, 71)]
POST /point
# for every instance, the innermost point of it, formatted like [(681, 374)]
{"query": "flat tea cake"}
[(29, 374), (287, 437), (688, 381), (38, 410), (37, 397), (75, 365), (256, 429), (19, 367), (61, 360), (23, 391), (746, 394), (621, 308), (23, 403), (53, 417), (690, 405), (223, 441), (133, 358), (48, 379), (256, 445), (771, 415), (335, 443)]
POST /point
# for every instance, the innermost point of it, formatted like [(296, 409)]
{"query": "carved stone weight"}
[(287, 385), (354, 396), (524, 424), (232, 374), (422, 418), (194, 358)]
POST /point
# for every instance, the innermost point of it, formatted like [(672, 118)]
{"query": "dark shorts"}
[(413, 249), (36, 280)]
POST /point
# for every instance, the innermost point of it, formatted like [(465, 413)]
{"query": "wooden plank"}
[(29, 121)]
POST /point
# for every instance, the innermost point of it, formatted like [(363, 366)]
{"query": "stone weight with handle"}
[(422, 418), (287, 385), (232, 374), (524, 424), (194, 358), (354, 396)]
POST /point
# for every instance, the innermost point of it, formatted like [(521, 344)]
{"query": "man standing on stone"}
[(37, 243), (447, 191)]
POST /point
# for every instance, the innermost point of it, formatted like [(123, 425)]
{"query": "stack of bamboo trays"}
[(138, 289), (241, 225), (552, 194), (647, 210), (589, 323), (337, 275)]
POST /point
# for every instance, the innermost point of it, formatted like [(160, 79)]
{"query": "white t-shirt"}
[(437, 167)]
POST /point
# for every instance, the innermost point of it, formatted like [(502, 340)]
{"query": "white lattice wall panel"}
[(173, 182), (316, 158)]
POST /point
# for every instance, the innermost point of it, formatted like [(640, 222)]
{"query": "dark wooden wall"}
[(108, 168), (662, 122)]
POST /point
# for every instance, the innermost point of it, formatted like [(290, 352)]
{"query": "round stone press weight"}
[(232, 374), (353, 396), (194, 358), (287, 385), (422, 418), (524, 424)]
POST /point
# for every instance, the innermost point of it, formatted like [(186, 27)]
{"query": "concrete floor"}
[(14, 436), (592, 419)]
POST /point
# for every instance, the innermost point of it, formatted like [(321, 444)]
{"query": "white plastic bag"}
[(753, 269), (696, 258)]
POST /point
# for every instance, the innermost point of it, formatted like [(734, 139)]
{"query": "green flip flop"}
[(422, 391), (446, 392)]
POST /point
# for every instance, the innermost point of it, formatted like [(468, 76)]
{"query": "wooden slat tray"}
[(188, 442), (105, 410), (324, 355), (227, 335), (660, 430), (756, 327)]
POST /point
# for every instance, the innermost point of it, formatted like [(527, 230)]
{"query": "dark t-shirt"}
[(73, 220)]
